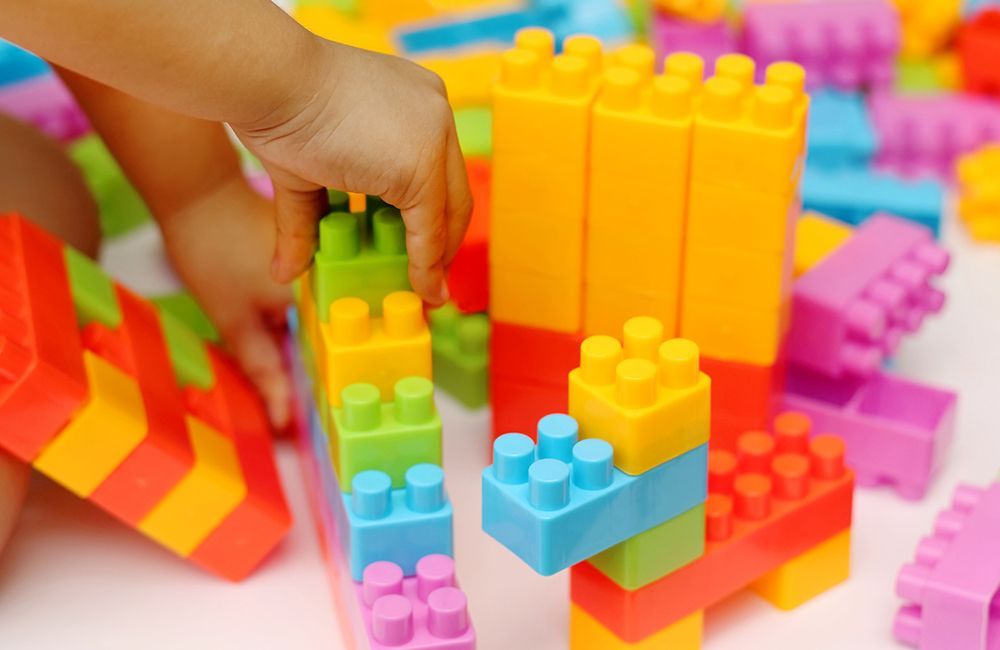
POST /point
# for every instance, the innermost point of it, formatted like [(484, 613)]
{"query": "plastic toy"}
[(979, 193), (461, 355), (44, 102), (840, 132), (978, 45), (708, 40), (468, 276), (17, 65), (744, 397), (928, 25), (816, 237), (699, 10), (518, 403)]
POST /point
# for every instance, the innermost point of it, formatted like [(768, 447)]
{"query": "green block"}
[(391, 436), (188, 354), (353, 263), (461, 355), (93, 291), (185, 308), (918, 76), (641, 11), (475, 131), (649, 556), (120, 206)]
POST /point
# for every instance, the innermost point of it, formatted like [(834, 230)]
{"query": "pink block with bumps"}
[(426, 612), (850, 312), (952, 585), (45, 103), (849, 44), (707, 40)]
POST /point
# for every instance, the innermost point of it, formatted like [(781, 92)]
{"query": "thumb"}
[(259, 354), (298, 206)]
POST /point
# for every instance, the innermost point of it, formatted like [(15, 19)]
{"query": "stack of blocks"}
[(126, 407), (373, 440)]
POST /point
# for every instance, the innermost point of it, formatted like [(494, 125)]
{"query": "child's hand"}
[(220, 246), (373, 124)]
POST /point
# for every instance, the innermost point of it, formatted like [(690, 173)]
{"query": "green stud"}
[(389, 232), (414, 400), (338, 201), (339, 237), (362, 407), (474, 334)]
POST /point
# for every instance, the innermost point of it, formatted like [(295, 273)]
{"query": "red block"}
[(468, 276), (979, 49), (518, 405), (42, 381), (744, 397), (534, 355), (770, 501)]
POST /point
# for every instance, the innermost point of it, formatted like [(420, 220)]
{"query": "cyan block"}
[(853, 195), (563, 501), (840, 130), (971, 7), (608, 20), (18, 65), (477, 28)]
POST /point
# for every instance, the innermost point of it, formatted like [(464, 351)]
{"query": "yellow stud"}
[(599, 356), (643, 336)]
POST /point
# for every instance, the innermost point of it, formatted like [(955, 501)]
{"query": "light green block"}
[(649, 556), (475, 131), (919, 77), (120, 206), (187, 310), (188, 354), (93, 291), (461, 354)]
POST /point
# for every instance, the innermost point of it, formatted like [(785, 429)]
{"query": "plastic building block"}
[(744, 397), (349, 263), (426, 612), (852, 310), (563, 502), (188, 353), (841, 133), (517, 404), (474, 126), (928, 25), (45, 103), (17, 64), (871, 192), (709, 40), (391, 436), (462, 31), (93, 291), (897, 431), (978, 45), (644, 396), (928, 76), (533, 354), (120, 207), (979, 193), (698, 10), (649, 556), (816, 237), (640, 147), (399, 526), (607, 20), (803, 578), (769, 502), (971, 7), (42, 378), (460, 347), (849, 45), (186, 309), (925, 135), (468, 276), (379, 351), (587, 633), (468, 76), (951, 586)]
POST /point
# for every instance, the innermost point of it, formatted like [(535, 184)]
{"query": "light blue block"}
[(974, 6), (853, 195), (497, 28), (18, 65), (608, 20), (840, 130), (563, 501)]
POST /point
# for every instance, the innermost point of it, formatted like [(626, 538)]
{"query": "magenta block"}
[(847, 44), (923, 135), (48, 105), (708, 40), (426, 612), (952, 585), (897, 431), (850, 312)]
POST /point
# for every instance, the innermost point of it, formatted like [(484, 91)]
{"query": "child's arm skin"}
[(318, 114)]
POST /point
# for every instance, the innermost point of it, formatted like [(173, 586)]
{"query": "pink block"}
[(48, 105), (849, 44), (924, 135), (897, 431), (426, 612), (707, 40), (851, 311), (952, 585)]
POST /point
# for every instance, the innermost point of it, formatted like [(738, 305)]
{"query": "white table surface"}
[(73, 577)]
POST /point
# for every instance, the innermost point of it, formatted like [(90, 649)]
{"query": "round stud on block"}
[(402, 315), (948, 523), (570, 77), (826, 452), (621, 90), (474, 334), (786, 74), (932, 256), (414, 400), (737, 67), (718, 517), (593, 462), (642, 338), (338, 201), (636, 383), (434, 572), (548, 484), (791, 432), (891, 341), (371, 494), (687, 66), (773, 107), (639, 58), (679, 364), (721, 99), (388, 231), (860, 360), (967, 497), (752, 496), (911, 582), (381, 579), (513, 454), (447, 613), (754, 451), (586, 48), (362, 407), (445, 319), (865, 319), (557, 433), (721, 471), (908, 626), (930, 550), (931, 299), (424, 488), (350, 321), (909, 274), (392, 620), (539, 41), (520, 69), (672, 97), (599, 358), (790, 473), (339, 237)]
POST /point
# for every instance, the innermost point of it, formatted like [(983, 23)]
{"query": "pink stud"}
[(381, 579), (447, 613), (392, 620), (434, 572)]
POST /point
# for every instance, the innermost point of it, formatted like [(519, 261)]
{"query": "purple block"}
[(897, 431), (708, 40), (924, 135), (48, 105), (850, 312), (426, 612), (848, 44), (952, 585)]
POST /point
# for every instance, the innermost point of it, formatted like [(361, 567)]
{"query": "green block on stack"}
[(120, 206), (475, 131), (93, 292), (461, 350), (185, 309), (188, 354)]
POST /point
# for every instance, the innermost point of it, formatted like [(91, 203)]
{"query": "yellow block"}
[(737, 277), (395, 12), (212, 489), (928, 25), (816, 236), (101, 435), (606, 308), (733, 334), (520, 297), (979, 192), (646, 398), (808, 575), (719, 215), (335, 26), (379, 351), (587, 633), (468, 77), (701, 10)]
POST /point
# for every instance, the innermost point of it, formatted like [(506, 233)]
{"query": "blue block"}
[(853, 195), (974, 6), (564, 501), (608, 20), (840, 130), (19, 65), (463, 31)]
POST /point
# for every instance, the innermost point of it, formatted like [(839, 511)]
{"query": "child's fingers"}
[(425, 239), (297, 211), (259, 355), (459, 207)]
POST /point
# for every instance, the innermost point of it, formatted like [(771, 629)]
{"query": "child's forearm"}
[(238, 61)]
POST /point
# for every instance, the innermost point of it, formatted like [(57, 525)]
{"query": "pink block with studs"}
[(426, 612), (850, 312), (48, 105), (951, 586), (708, 40), (848, 44)]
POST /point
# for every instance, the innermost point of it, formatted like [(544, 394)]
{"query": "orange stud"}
[(826, 451), (754, 451), (790, 473), (721, 472), (753, 496), (791, 432), (718, 517)]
